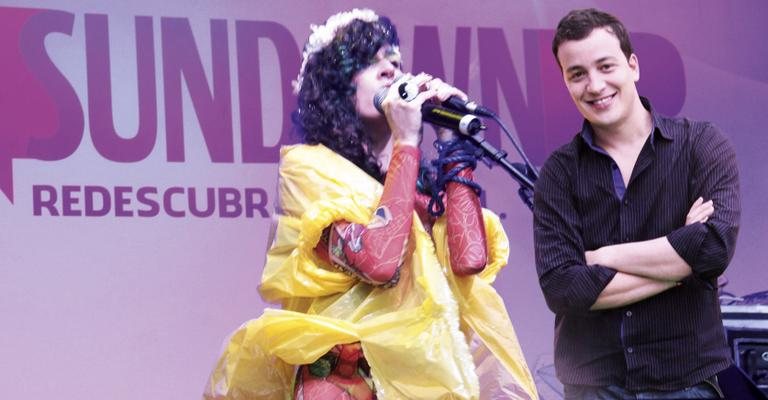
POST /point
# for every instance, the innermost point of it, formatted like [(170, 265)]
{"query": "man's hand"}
[(700, 211)]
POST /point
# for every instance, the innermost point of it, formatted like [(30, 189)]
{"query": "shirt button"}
[(630, 350), (626, 202), (626, 238), (629, 313)]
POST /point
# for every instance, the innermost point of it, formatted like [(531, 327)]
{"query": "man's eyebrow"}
[(598, 61), (574, 68)]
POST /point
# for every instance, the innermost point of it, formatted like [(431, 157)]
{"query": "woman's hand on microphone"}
[(444, 91), (404, 117)]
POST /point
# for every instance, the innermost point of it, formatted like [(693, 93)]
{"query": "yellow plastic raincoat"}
[(433, 336)]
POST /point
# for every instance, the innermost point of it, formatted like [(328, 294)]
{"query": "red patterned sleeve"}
[(466, 230), (374, 252)]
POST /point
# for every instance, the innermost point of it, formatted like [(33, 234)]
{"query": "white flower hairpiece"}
[(323, 35)]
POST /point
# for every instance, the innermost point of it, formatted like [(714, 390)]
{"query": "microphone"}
[(468, 106), (461, 121), (408, 91)]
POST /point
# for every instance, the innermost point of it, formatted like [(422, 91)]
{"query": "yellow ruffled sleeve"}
[(311, 199)]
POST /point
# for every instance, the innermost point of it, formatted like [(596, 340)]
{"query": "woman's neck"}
[(381, 143), (383, 152)]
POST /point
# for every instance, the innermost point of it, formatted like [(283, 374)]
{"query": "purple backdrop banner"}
[(138, 150)]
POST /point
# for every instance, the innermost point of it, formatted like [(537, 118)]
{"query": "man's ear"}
[(634, 65)]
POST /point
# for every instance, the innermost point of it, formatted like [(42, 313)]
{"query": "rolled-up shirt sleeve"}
[(708, 247), (568, 284)]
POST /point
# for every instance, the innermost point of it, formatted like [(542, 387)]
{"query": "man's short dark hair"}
[(578, 24)]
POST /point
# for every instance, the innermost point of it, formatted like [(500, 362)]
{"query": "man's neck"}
[(632, 132)]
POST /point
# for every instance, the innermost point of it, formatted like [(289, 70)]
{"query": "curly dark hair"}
[(326, 110)]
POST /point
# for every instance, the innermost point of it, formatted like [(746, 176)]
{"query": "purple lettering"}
[(90, 193), (497, 70), (209, 206), (168, 201), (214, 110), (121, 200), (105, 139), (99, 201), (428, 57), (554, 119), (229, 197), (248, 34), (38, 202), (663, 78), (461, 58), (68, 199), (69, 112), (142, 195), (251, 202)]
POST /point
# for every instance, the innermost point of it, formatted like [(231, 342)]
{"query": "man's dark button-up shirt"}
[(669, 341)]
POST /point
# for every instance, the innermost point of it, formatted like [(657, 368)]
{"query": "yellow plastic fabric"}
[(415, 336)]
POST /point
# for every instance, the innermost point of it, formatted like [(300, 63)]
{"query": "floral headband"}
[(323, 35)]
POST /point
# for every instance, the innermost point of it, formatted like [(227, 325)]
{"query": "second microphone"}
[(464, 123)]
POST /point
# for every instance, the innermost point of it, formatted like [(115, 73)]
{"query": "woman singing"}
[(382, 296)]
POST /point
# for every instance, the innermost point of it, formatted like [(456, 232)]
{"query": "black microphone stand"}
[(525, 174), (468, 126)]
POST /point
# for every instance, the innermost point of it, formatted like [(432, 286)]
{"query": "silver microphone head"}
[(378, 98), (402, 87)]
